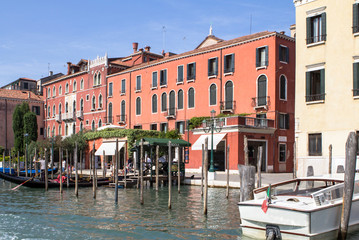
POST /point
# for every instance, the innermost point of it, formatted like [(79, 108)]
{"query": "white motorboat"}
[(302, 208)]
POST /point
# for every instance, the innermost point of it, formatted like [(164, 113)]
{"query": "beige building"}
[(327, 81)]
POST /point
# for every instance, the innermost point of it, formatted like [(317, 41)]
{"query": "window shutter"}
[(309, 30), (257, 57), (287, 55), (355, 18), (216, 67), (194, 70), (188, 76), (280, 53), (232, 63), (209, 67), (355, 77), (287, 121), (165, 77), (267, 60), (322, 82), (307, 85), (324, 26)]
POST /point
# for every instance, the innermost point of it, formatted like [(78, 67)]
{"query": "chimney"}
[(141, 49), (134, 46), (282, 32), (68, 68), (163, 52), (51, 73), (147, 48)]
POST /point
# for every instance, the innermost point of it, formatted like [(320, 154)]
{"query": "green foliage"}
[(18, 125), (13, 159), (30, 126), (196, 122), (221, 115), (2, 149)]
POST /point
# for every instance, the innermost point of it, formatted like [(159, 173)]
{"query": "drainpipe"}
[(5, 124)]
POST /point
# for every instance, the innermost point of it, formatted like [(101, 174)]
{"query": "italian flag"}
[(266, 201)]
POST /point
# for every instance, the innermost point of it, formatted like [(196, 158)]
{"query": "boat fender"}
[(273, 232)]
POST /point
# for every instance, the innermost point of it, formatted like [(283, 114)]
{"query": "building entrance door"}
[(253, 154)]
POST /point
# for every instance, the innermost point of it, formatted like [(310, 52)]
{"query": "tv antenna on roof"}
[(164, 37)]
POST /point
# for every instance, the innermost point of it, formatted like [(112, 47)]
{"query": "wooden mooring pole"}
[(26, 156), (157, 170), (247, 181), (67, 169), (169, 174), (351, 149), (246, 151), (227, 164), (18, 163), (93, 170), (103, 164), (178, 170), (141, 171), (124, 166), (10, 163), (35, 162), (259, 167), (46, 171), (3, 162), (81, 161), (52, 163), (76, 172), (205, 200), (60, 166), (202, 170), (116, 172)]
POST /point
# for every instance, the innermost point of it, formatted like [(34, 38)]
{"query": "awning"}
[(163, 142), (109, 148), (216, 139)]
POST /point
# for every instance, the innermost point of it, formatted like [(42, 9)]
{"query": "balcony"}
[(108, 120), (69, 116), (171, 113), (227, 106), (256, 122), (58, 117), (121, 119), (80, 114), (261, 102)]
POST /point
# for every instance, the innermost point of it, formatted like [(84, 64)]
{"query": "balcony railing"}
[(108, 120), (261, 102), (318, 38), (315, 97), (256, 122), (171, 113), (228, 106), (80, 114), (121, 119), (69, 116), (58, 117)]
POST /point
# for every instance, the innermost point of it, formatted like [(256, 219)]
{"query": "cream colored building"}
[(327, 81)]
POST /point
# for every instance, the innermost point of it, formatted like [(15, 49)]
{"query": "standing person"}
[(42, 169)]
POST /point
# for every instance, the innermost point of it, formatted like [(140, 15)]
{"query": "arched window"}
[(93, 125), (60, 90), (191, 98), (262, 91), (73, 128), (95, 79), (100, 123), (180, 99), (60, 130), (110, 113), (138, 106), (82, 84), (48, 111), (66, 130), (53, 110), (82, 104), (66, 88), (81, 126), (93, 102), (66, 107), (123, 111), (100, 101), (163, 102), (53, 131), (172, 103), (283, 88), (74, 106), (99, 79), (60, 108), (48, 92), (228, 92), (154, 103), (54, 91), (74, 86), (213, 95)]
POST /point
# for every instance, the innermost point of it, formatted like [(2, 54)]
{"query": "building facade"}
[(327, 81), (22, 84), (9, 99), (251, 79)]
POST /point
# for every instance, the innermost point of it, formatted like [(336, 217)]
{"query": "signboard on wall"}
[(282, 139)]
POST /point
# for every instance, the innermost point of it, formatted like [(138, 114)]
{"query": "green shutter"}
[(257, 57), (307, 93), (309, 30), (209, 67), (322, 83), (216, 67), (188, 76), (286, 121), (355, 18), (287, 55), (324, 26), (165, 76), (232, 63), (355, 78), (267, 60), (194, 70)]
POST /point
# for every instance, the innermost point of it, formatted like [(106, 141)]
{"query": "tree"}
[(18, 125), (30, 126)]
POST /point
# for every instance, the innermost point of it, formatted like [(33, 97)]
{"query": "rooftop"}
[(19, 94)]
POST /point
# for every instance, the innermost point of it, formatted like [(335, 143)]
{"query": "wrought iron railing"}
[(315, 97), (228, 105), (256, 122), (318, 38), (258, 102), (108, 119), (121, 118)]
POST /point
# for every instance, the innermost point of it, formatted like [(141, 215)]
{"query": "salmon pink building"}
[(248, 80)]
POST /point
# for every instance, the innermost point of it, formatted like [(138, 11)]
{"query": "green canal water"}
[(35, 214)]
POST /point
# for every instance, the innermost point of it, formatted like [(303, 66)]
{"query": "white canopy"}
[(109, 148), (216, 139), (108, 126)]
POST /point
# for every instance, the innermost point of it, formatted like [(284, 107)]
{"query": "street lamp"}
[(211, 125)]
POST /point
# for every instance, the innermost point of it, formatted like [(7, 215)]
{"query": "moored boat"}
[(302, 208)]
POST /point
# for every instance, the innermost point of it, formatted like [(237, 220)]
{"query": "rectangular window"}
[(262, 57), (191, 71), (180, 74), (110, 89), (163, 127), (315, 85), (163, 77), (123, 86), (283, 54), (87, 97), (154, 80), (355, 79), (212, 67), (26, 85), (282, 152), (180, 127), (355, 18), (41, 131), (138, 83), (316, 28), (283, 121), (137, 127), (153, 126), (315, 144), (36, 110), (229, 63)]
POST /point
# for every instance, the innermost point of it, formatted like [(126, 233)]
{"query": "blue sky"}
[(37, 34)]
